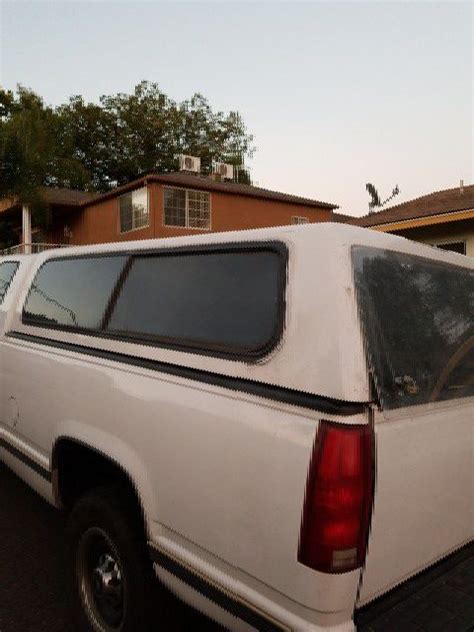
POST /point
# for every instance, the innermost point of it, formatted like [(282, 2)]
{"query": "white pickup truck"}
[(279, 422)]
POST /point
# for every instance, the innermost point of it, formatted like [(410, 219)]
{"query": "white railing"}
[(30, 249)]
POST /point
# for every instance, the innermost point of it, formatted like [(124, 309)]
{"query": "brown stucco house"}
[(161, 205), (64, 207), (444, 219)]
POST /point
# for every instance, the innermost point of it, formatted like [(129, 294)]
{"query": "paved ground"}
[(34, 593)]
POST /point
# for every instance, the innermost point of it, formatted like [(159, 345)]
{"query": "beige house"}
[(444, 219)]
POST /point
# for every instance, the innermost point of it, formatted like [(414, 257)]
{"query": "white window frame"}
[(186, 210), (147, 225), (299, 219)]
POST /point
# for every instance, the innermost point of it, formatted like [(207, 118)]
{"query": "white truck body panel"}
[(221, 473)]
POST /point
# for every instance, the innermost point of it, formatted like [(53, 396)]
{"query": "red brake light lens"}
[(338, 501)]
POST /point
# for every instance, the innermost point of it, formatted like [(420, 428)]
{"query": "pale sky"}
[(337, 94)]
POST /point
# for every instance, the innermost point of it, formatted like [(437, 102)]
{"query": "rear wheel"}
[(112, 572)]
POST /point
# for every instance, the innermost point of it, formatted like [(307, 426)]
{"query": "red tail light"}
[(338, 502)]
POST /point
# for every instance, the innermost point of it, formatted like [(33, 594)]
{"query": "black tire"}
[(111, 570)]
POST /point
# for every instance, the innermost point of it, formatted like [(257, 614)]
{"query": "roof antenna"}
[(375, 198)]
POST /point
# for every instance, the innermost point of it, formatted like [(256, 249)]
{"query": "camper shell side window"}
[(227, 301), (7, 272)]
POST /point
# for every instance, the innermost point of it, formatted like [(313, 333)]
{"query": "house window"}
[(454, 246), (187, 208), (296, 219), (134, 213)]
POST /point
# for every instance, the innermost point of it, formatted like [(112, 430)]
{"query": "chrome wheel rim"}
[(101, 580)]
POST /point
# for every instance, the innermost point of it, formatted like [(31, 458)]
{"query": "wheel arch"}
[(79, 464)]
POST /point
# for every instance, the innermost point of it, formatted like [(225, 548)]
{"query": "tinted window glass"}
[(214, 300), (7, 272), (458, 246), (73, 292), (126, 212), (418, 320)]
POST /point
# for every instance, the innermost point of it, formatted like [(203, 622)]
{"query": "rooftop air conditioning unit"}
[(189, 163), (224, 170)]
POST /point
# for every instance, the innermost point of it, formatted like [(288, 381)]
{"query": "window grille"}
[(187, 208), (296, 219)]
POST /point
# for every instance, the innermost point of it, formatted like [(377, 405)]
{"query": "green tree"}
[(128, 135), (34, 151), (99, 146), (89, 133), (7, 104)]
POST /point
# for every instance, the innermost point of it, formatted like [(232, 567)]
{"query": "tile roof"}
[(72, 197), (437, 203), (66, 197), (55, 196), (340, 218), (208, 184)]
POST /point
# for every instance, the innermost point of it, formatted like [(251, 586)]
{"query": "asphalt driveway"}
[(34, 591)]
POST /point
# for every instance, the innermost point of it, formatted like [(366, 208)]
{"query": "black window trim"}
[(304, 399), (7, 287), (227, 352)]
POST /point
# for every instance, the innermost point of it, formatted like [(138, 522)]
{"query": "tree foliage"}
[(98, 146), (34, 151)]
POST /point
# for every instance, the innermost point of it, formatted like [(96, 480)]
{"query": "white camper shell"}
[(291, 409)]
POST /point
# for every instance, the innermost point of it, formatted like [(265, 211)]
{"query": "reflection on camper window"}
[(7, 272), (74, 292), (417, 316)]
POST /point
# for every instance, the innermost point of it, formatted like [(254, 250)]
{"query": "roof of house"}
[(55, 196), (66, 197), (340, 218), (208, 184), (436, 203), (72, 197)]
